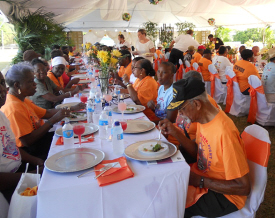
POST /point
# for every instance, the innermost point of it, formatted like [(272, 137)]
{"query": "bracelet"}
[(202, 182), (50, 123)]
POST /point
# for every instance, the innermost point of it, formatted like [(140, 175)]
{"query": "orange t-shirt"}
[(127, 70), (243, 70), (24, 116), (57, 81), (204, 63), (196, 58), (221, 155), (147, 89), (158, 52)]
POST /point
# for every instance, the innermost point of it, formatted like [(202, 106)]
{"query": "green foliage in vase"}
[(166, 35), (151, 30), (183, 27), (34, 30)]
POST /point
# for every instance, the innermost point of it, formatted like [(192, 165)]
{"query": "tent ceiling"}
[(106, 14)]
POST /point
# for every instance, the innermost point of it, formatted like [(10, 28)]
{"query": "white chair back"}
[(167, 55), (212, 69), (187, 63), (195, 66), (156, 56), (266, 111), (160, 56), (180, 62)]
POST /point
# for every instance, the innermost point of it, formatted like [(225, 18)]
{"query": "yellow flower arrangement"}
[(116, 53)]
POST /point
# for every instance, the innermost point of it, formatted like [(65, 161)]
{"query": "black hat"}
[(207, 51), (185, 89)]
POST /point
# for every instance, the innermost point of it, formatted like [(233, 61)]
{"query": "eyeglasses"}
[(181, 109)]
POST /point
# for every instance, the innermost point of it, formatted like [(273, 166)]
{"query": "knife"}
[(105, 171)]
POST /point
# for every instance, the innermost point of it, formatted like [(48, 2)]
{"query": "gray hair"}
[(203, 97), (17, 73), (193, 74)]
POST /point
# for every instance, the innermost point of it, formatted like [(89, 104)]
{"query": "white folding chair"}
[(265, 114), (241, 103), (167, 55), (4, 206), (196, 68), (257, 145), (219, 90)]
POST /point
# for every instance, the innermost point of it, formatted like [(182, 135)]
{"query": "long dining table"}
[(156, 190)]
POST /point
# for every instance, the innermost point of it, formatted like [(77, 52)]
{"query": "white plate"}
[(89, 129), (66, 105), (139, 126), (147, 149), (137, 109), (84, 81), (82, 71), (73, 160), (80, 76), (133, 152)]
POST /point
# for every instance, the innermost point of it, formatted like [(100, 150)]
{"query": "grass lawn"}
[(267, 208)]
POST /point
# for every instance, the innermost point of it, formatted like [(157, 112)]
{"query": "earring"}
[(19, 91)]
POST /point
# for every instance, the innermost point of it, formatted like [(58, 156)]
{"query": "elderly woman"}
[(243, 69), (45, 88), (31, 132), (144, 46), (145, 88)]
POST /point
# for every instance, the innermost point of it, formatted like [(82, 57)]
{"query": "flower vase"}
[(103, 76)]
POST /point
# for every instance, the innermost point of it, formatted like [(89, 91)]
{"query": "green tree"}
[(151, 30), (223, 34), (8, 32), (254, 34), (183, 27)]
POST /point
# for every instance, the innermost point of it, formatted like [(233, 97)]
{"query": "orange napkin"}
[(114, 174), (30, 191), (60, 140)]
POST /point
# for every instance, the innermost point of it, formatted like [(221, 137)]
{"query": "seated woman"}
[(165, 75), (58, 68), (268, 77), (32, 134), (243, 69), (46, 89), (145, 87)]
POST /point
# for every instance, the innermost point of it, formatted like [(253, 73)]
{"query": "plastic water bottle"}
[(98, 104), (108, 110), (117, 139), (116, 90), (68, 134), (90, 110), (103, 125)]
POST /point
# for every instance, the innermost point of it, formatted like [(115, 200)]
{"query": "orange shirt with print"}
[(158, 52), (57, 81), (125, 70), (243, 70), (220, 156), (204, 63), (196, 58), (24, 116)]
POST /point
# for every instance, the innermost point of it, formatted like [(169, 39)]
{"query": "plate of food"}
[(89, 129), (73, 160), (150, 150), (77, 116), (139, 126), (84, 81), (130, 109), (147, 54), (80, 76), (66, 105)]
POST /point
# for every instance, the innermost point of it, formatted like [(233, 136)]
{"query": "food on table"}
[(130, 109), (77, 115), (155, 148)]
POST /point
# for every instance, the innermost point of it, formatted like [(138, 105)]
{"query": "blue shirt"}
[(163, 100)]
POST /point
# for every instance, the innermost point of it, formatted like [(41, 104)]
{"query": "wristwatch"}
[(202, 182), (129, 84)]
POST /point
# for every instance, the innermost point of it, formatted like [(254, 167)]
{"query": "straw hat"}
[(271, 53), (160, 45)]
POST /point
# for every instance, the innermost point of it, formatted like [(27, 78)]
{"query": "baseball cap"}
[(201, 47), (185, 89), (207, 51)]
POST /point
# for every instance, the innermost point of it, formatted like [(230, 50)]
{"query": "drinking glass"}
[(79, 129), (122, 107), (96, 116), (108, 97), (83, 98)]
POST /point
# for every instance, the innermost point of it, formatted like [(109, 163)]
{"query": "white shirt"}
[(132, 78), (143, 48), (184, 41), (125, 43), (10, 159), (258, 62), (268, 78), (221, 62)]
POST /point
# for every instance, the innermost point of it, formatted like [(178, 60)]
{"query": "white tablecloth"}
[(154, 191)]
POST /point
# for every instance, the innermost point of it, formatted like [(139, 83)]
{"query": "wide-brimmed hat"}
[(185, 89), (271, 53)]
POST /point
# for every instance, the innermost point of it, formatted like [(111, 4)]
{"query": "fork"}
[(102, 169)]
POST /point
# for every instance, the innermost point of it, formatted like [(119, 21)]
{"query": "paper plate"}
[(139, 126), (89, 129), (73, 160), (133, 151)]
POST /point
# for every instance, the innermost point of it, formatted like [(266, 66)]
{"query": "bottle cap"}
[(117, 123), (106, 104), (67, 120)]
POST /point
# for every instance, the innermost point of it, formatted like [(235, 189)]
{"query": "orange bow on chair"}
[(156, 67), (187, 69), (230, 93), (212, 79), (253, 103), (179, 72)]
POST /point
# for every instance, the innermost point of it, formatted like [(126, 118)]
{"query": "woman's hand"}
[(62, 113), (151, 105), (78, 107), (125, 78), (75, 80)]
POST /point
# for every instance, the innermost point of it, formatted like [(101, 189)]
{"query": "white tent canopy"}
[(85, 15)]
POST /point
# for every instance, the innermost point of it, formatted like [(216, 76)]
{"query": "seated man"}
[(189, 54), (219, 182), (198, 55), (204, 62), (165, 75), (158, 51)]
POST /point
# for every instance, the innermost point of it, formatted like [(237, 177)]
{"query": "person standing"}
[(218, 42), (183, 41), (122, 42), (144, 46)]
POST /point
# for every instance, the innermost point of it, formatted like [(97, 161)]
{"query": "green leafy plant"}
[(223, 33), (183, 27), (151, 30), (166, 34)]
